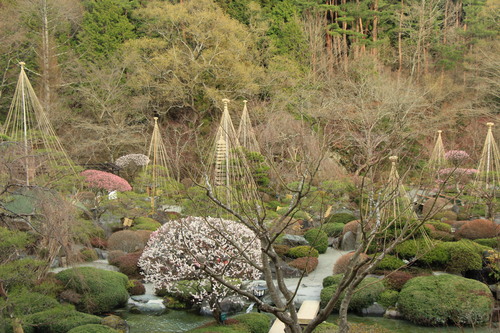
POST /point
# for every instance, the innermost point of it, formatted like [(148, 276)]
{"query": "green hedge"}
[(57, 320), (93, 328), (333, 229), (366, 293), (101, 290), (255, 322), (318, 239), (340, 218), (145, 223), (388, 298), (302, 251), (445, 299)]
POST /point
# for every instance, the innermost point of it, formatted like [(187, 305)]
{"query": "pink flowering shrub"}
[(194, 250), (105, 181), (132, 159), (456, 157), (456, 177)]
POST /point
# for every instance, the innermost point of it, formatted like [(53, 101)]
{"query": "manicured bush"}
[(428, 252), (440, 226), (326, 327), (333, 229), (340, 218), (366, 293), (445, 299), (92, 328), (58, 320), (105, 181), (281, 250), (342, 263), (114, 255), (302, 251), (478, 229), (25, 302), (128, 263), (388, 298), (447, 215), (100, 290), (437, 256), (352, 226), (389, 263), (126, 241), (463, 257), (317, 239), (332, 279), (490, 242), (305, 264), (135, 287), (441, 235), (256, 322), (396, 280), (145, 223), (88, 254), (144, 235)]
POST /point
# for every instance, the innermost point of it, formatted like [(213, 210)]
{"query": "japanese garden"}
[(249, 166)]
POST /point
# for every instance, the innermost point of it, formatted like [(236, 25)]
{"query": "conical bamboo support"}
[(488, 176), (437, 159), (246, 134)]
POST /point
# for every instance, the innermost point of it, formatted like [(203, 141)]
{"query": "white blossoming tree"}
[(200, 254)]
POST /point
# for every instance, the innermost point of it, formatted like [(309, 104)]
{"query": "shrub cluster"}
[(100, 290), (135, 287), (366, 293), (60, 319), (489, 242), (480, 228), (93, 328), (340, 218), (396, 280), (126, 241), (305, 264), (351, 226), (318, 239), (464, 256), (88, 254), (145, 223), (389, 263), (281, 250), (127, 264), (333, 229), (388, 298), (255, 322), (302, 251), (342, 263), (99, 242), (443, 299)]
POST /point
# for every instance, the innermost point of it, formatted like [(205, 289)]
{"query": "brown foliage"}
[(70, 296), (307, 264), (342, 263), (396, 280), (351, 226), (281, 250), (478, 229), (137, 289), (144, 235), (99, 242), (128, 263), (114, 255), (126, 241)]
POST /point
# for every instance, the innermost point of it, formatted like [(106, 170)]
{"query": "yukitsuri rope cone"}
[(437, 159), (43, 156), (229, 175), (488, 176), (246, 134), (157, 170)]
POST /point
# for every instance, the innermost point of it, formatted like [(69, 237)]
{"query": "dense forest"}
[(377, 76)]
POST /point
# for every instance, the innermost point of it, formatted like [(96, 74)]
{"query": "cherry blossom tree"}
[(201, 255), (105, 180)]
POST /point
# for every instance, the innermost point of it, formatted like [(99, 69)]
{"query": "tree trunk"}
[(45, 57)]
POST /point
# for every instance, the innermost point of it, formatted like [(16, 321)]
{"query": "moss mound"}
[(366, 293), (318, 239), (445, 299), (92, 328)]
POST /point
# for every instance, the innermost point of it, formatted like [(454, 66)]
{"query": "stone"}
[(393, 314), (101, 254), (145, 298), (294, 240), (232, 304), (154, 307), (288, 271), (116, 323), (334, 242), (374, 310), (348, 241)]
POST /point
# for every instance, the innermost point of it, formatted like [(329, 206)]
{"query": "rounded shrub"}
[(445, 299), (126, 241), (389, 263), (478, 229), (302, 251), (388, 298), (343, 262), (100, 290), (333, 229), (144, 234), (280, 249), (447, 215), (99, 242), (127, 264), (318, 239), (25, 302), (340, 218), (366, 293), (332, 279), (430, 253), (60, 319), (463, 257), (88, 254), (145, 223), (439, 226), (396, 280), (305, 264), (92, 328), (256, 322), (114, 255), (489, 242), (135, 287)]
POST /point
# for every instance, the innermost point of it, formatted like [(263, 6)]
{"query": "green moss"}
[(333, 229), (145, 223), (21, 273), (92, 328), (303, 251), (389, 263), (366, 293), (332, 279), (463, 256), (236, 328), (388, 298), (441, 226), (101, 290), (317, 239), (427, 252), (326, 327), (489, 242), (89, 254), (59, 320), (25, 302), (255, 322), (445, 299), (340, 218)]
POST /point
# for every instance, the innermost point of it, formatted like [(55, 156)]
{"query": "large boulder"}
[(348, 241), (445, 299), (294, 240)]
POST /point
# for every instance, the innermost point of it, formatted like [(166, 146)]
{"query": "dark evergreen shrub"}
[(366, 293), (389, 263), (333, 229), (388, 298), (340, 218), (317, 239), (256, 322), (302, 251)]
